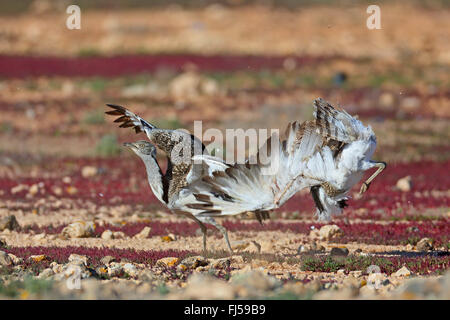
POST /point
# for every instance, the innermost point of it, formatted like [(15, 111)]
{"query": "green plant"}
[(108, 146)]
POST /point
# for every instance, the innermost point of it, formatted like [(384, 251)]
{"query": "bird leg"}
[(381, 166), (203, 228), (221, 228)]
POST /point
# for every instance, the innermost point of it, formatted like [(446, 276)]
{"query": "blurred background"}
[(231, 64)]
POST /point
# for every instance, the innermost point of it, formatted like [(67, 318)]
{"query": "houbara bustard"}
[(172, 188), (329, 155)]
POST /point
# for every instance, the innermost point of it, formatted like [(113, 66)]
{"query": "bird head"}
[(142, 148)]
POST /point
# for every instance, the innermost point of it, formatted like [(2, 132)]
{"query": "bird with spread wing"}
[(329, 155), (187, 162)]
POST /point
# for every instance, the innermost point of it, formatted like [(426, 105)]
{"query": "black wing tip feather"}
[(118, 110)]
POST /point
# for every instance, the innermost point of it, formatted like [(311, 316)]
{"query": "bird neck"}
[(154, 177)]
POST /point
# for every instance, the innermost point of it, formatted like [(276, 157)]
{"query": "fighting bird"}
[(188, 161), (175, 195), (328, 155)]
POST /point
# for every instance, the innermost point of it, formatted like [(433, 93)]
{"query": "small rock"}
[(67, 179), (168, 238), (194, 262), (89, 171), (425, 244), (34, 189), (143, 234), (404, 184), (107, 235), (19, 188), (77, 257), (5, 260), (79, 229), (71, 190), (386, 99), (57, 191), (167, 262), (119, 235), (9, 223), (340, 272), (303, 249), (330, 231), (342, 252), (222, 263), (106, 260), (37, 258), (402, 272), (15, 260), (46, 273), (410, 103)]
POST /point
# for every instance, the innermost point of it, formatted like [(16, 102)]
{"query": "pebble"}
[(143, 234), (425, 244), (107, 235), (15, 260), (5, 260), (88, 171), (167, 262), (404, 184), (9, 222), (76, 257), (46, 273), (329, 231), (222, 263), (341, 252), (402, 272), (37, 258), (79, 229), (194, 262), (119, 235)]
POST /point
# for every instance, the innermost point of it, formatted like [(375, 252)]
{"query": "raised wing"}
[(265, 182), (336, 124), (129, 119), (165, 139)]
